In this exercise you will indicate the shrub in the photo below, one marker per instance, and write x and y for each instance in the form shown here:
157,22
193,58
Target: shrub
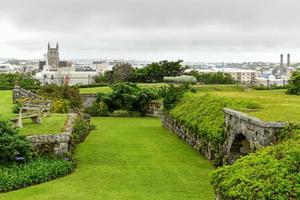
81,129
63,92
128,96
93,85
16,176
271,87
17,107
61,106
171,94
13,145
270,173
181,79
294,83
120,113
98,109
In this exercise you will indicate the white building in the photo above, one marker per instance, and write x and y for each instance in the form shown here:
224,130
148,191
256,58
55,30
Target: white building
240,75
66,75
60,72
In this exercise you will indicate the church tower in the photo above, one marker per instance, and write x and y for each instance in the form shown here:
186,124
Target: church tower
53,56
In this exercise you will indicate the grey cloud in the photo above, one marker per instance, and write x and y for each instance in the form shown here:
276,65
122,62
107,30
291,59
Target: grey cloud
156,26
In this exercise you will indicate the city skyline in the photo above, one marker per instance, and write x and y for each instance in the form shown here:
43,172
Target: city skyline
199,31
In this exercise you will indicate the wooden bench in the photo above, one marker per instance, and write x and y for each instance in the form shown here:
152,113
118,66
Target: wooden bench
34,113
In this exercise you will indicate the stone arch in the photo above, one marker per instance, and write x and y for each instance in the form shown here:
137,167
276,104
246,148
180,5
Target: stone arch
240,146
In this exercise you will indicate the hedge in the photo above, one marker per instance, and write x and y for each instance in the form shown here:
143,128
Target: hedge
270,173
16,176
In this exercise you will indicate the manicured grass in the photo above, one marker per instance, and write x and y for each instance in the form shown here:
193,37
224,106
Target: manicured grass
95,90
6,104
276,105
51,124
107,89
129,158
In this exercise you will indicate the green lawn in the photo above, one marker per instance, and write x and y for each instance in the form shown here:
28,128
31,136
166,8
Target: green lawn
276,105
6,104
107,89
95,90
129,158
51,124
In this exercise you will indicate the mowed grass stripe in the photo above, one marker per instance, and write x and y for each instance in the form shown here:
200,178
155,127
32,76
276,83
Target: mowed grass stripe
129,158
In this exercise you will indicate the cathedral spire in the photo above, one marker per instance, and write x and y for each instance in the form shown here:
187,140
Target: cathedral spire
57,45
48,45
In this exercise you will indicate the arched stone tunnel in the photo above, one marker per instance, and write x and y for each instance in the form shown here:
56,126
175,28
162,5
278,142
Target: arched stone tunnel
245,134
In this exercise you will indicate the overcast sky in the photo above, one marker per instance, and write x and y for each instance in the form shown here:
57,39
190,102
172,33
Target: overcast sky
192,30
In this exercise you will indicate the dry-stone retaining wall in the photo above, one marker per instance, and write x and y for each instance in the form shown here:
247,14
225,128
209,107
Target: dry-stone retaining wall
243,134
88,99
204,147
154,109
19,92
55,143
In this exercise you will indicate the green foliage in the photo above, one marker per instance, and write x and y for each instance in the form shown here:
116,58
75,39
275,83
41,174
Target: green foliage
155,72
25,80
119,73
180,79
120,113
271,87
60,106
204,114
16,176
128,96
98,109
97,84
63,92
81,129
12,144
171,94
270,173
294,83
212,78
17,107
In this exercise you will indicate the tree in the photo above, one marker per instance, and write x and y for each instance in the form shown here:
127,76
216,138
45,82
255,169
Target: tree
156,71
121,72
294,83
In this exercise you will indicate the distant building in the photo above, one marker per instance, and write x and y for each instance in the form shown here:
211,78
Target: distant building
240,75
52,70
51,59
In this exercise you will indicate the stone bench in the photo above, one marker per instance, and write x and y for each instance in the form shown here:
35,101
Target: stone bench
34,113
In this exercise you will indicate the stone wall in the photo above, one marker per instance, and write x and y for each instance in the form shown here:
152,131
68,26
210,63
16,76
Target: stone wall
55,143
88,99
245,134
154,109
19,92
206,148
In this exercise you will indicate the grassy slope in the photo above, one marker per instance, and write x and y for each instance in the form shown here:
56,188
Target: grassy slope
277,106
129,159
52,124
